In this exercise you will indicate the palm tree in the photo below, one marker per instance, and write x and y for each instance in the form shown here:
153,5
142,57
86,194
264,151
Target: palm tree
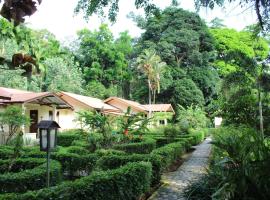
150,64
158,69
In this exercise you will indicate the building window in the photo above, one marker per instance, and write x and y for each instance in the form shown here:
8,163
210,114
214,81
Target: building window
162,122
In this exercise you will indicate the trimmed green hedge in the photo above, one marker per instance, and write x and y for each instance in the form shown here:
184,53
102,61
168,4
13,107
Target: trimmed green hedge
30,179
72,163
126,183
144,147
65,139
170,152
77,149
20,164
115,161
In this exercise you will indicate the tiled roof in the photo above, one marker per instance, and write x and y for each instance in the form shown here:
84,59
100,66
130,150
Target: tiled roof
90,101
21,96
159,108
130,103
4,94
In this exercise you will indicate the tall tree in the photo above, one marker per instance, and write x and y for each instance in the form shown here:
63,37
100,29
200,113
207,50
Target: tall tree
240,57
151,65
102,58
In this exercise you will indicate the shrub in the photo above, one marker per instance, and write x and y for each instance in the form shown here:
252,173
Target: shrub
65,139
73,163
145,146
20,164
30,179
106,152
127,182
80,143
170,152
115,161
77,149
192,117
171,132
6,152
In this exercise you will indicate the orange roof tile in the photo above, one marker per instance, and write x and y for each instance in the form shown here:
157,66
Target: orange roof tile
130,103
21,96
91,102
159,108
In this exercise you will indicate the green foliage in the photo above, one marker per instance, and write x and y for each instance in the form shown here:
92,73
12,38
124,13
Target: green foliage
97,122
74,163
239,162
185,92
171,132
237,49
101,58
240,107
111,185
65,139
170,153
63,74
20,164
131,123
115,161
207,80
181,37
191,117
144,146
184,42
97,7
150,64
14,119
30,179
98,90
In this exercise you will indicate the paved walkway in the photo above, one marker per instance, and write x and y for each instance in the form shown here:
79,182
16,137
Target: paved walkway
190,170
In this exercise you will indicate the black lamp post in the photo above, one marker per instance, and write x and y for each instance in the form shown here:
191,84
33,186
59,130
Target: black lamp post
47,135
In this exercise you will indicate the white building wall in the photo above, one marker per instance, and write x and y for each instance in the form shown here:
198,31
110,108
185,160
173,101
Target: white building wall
67,117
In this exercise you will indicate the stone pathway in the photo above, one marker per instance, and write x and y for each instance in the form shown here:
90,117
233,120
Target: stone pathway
175,182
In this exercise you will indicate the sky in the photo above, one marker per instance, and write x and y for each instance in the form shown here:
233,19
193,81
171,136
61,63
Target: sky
58,17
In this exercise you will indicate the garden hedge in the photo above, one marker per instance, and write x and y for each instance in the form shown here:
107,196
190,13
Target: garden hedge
170,152
6,152
30,179
19,164
144,147
65,139
73,163
115,161
126,183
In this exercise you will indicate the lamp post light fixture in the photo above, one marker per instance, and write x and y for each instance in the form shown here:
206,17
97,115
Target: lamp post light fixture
47,135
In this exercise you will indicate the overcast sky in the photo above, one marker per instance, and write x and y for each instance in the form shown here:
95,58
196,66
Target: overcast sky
58,17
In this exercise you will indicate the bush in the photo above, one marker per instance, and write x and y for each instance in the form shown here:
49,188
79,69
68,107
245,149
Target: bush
192,117
145,146
170,152
73,163
20,164
106,152
6,152
127,182
77,149
171,132
115,161
80,143
30,179
65,139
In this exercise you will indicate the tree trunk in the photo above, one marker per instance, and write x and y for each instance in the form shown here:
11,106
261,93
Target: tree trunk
260,112
154,96
149,98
